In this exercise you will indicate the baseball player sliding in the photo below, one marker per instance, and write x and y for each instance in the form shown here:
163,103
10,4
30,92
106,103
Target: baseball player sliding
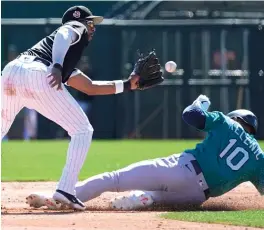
36,78
229,156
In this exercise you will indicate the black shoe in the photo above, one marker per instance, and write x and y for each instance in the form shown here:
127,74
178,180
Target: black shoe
66,198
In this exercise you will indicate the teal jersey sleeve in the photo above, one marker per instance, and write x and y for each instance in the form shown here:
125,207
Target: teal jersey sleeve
259,184
213,119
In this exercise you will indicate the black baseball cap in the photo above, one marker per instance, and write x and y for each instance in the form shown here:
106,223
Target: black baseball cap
79,13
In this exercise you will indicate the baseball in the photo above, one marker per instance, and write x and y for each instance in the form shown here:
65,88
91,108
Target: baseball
170,66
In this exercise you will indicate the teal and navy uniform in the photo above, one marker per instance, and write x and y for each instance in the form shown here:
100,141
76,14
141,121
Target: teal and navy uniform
229,155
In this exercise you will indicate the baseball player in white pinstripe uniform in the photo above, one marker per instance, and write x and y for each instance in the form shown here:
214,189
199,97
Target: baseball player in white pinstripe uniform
34,80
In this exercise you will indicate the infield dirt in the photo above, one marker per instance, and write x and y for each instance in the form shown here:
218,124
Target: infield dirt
16,215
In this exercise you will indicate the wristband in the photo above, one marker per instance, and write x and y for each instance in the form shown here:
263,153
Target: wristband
119,85
204,105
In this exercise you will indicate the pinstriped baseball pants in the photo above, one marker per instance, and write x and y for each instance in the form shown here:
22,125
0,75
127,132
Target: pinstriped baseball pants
25,84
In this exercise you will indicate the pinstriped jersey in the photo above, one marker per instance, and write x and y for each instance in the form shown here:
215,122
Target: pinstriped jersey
229,155
43,49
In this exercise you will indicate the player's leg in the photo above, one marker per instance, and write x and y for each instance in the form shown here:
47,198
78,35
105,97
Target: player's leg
150,175
162,177
10,98
143,199
143,175
60,107
194,196
186,188
168,175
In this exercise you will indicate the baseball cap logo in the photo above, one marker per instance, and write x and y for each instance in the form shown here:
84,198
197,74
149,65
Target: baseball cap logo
76,14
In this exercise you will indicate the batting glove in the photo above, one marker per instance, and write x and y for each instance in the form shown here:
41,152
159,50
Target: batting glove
202,102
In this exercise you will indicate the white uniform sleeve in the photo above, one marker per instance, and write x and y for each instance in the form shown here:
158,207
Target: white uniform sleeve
62,42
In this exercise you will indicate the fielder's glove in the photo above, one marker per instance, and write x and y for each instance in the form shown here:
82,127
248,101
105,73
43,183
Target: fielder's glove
203,102
149,71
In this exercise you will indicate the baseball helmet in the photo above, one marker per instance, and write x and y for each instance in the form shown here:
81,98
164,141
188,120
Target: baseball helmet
80,13
247,116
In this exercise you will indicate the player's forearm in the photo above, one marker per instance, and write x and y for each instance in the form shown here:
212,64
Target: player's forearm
84,84
105,87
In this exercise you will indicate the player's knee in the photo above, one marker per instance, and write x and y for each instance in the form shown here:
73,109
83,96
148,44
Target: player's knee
89,128
83,128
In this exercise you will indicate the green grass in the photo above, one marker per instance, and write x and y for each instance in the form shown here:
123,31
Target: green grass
239,218
44,160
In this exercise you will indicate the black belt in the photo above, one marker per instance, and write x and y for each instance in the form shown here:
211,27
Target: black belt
198,170
38,59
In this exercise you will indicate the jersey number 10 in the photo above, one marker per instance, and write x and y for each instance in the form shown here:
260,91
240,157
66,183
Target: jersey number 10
233,154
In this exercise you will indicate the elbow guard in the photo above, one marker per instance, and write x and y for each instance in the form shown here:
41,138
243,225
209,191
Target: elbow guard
195,117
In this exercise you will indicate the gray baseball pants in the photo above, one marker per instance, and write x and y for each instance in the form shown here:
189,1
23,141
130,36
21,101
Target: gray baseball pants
170,180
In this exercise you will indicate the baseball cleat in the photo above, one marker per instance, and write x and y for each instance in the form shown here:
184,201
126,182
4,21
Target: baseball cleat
68,199
132,201
37,200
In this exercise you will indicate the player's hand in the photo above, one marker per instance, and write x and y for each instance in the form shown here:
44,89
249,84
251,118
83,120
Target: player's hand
56,77
133,81
204,102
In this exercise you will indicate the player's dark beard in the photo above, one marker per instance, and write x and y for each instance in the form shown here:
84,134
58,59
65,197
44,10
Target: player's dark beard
90,36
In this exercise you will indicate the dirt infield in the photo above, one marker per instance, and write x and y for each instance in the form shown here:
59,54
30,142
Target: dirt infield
17,216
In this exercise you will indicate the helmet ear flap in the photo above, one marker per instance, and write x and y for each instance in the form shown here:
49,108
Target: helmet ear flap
248,127
247,118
